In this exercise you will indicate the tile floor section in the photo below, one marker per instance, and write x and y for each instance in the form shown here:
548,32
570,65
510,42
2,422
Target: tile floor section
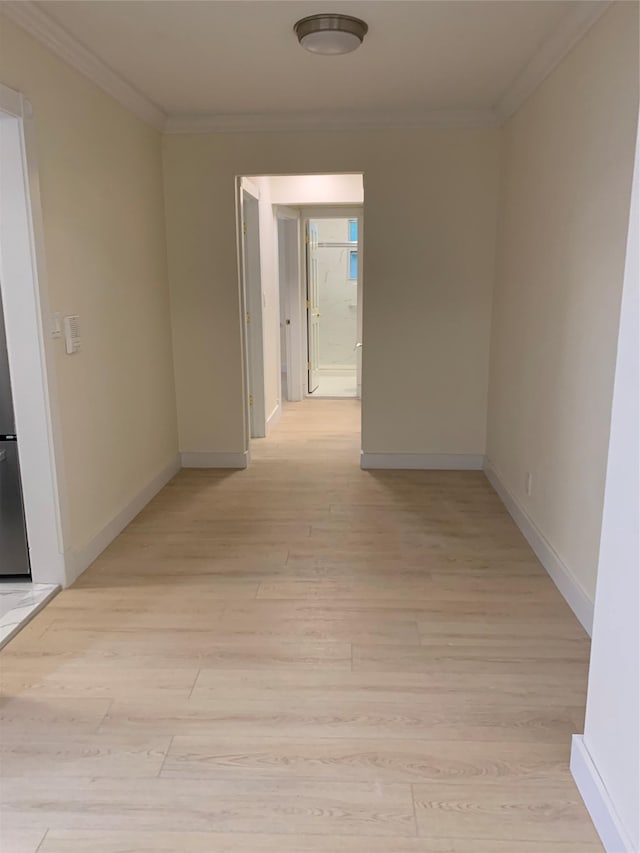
336,384
19,602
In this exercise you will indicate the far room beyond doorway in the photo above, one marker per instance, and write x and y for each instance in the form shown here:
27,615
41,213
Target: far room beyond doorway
301,283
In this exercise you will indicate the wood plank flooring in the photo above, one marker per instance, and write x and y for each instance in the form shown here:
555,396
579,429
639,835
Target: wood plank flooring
304,658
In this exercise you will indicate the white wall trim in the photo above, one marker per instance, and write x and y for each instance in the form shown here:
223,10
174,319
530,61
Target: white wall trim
204,459
560,573
422,461
551,52
251,187
242,325
81,558
11,102
597,800
320,210
274,417
24,292
296,121
37,23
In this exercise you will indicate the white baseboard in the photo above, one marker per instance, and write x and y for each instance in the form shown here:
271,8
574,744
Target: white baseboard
422,461
560,573
597,800
80,559
273,418
214,460
53,570
337,369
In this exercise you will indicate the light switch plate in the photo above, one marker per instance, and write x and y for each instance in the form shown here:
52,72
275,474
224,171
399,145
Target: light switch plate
56,326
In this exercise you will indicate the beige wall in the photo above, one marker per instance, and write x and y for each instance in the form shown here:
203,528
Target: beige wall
568,155
430,212
102,200
317,189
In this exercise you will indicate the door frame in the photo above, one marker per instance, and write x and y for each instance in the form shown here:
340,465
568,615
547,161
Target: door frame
312,303
251,315
29,342
332,211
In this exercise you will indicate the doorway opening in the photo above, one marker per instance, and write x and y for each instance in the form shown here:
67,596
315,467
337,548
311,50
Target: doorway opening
334,302
300,241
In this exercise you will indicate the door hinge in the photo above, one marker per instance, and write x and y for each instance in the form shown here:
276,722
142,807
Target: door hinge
248,318
244,227
306,238
251,399
308,305
308,365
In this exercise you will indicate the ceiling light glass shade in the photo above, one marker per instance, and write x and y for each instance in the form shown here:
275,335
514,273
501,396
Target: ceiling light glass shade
330,34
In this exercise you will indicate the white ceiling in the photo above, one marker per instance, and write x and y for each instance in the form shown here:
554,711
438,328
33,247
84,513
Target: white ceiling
241,57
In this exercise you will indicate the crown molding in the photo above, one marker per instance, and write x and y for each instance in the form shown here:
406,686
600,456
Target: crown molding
28,15
571,29
318,121
37,23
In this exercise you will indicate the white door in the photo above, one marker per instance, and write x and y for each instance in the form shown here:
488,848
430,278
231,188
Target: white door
313,308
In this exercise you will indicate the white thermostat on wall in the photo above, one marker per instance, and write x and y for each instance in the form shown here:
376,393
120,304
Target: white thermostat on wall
72,333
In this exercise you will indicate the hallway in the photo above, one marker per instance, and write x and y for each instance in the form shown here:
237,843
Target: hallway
301,657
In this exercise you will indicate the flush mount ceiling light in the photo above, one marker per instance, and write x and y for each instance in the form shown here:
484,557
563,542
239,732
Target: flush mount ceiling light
330,34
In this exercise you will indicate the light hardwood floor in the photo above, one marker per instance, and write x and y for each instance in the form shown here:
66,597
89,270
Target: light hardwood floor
301,657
